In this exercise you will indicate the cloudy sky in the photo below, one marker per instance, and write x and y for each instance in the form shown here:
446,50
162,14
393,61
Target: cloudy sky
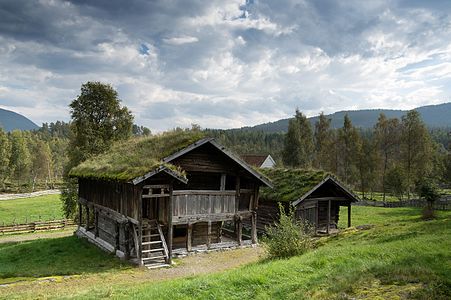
224,64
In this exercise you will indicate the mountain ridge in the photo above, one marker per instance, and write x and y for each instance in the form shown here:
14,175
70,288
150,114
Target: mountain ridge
10,120
438,115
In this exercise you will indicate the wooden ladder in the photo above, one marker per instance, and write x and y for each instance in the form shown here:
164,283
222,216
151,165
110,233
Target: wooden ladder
154,252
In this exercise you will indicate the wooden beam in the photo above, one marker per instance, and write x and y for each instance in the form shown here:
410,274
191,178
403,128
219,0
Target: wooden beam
349,215
317,217
208,234
189,237
155,196
239,231
328,215
254,227
209,217
170,225
203,192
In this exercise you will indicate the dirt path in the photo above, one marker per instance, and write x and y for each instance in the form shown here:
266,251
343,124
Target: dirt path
79,285
28,195
8,238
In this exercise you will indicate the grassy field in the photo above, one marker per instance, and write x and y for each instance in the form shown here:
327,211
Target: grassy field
31,209
400,257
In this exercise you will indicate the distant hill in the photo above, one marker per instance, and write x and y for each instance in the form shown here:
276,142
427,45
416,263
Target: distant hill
433,115
10,120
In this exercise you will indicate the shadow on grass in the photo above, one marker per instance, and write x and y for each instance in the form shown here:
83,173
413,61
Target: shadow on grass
52,257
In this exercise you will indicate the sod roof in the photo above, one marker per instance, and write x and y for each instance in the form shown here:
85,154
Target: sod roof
290,184
130,159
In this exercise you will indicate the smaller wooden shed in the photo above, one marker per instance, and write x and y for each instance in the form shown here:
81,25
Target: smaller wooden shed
315,195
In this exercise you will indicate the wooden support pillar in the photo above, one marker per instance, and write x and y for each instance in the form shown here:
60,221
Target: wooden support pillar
139,234
317,217
189,237
87,217
349,215
209,235
239,230
254,227
96,223
80,214
127,241
237,194
170,226
328,216
223,182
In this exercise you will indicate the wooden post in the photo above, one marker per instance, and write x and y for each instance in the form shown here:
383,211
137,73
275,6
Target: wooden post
87,217
237,195
170,226
239,229
328,216
349,215
96,222
254,227
80,214
223,182
317,217
140,229
189,237
127,240
209,235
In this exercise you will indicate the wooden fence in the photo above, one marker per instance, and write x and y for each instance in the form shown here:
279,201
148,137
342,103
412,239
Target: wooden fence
442,204
36,226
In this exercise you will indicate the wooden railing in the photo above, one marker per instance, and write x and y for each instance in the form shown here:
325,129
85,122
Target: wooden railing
36,226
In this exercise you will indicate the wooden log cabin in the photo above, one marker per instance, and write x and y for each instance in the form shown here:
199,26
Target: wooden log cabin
148,198
315,196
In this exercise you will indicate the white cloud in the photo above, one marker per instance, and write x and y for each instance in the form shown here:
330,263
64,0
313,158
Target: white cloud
181,40
224,63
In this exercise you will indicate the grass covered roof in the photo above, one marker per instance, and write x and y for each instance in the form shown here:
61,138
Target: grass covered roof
290,184
130,159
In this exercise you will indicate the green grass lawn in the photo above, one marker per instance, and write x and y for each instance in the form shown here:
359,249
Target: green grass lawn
401,257
49,257
31,209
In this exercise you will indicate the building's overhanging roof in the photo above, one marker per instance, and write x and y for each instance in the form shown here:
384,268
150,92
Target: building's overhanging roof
353,197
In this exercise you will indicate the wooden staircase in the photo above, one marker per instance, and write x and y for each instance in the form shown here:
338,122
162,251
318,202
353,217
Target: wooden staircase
154,252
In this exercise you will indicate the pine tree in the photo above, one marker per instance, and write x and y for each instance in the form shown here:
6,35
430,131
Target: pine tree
298,150
416,148
387,135
20,160
292,144
323,143
5,150
348,145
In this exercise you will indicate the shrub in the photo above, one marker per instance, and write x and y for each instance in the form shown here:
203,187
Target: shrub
287,238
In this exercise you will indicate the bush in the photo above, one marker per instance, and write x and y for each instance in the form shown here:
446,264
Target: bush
287,238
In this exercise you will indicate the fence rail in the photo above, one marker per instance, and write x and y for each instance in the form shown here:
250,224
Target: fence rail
36,226
441,204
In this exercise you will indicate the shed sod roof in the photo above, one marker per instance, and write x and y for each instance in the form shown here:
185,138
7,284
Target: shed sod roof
290,184
130,159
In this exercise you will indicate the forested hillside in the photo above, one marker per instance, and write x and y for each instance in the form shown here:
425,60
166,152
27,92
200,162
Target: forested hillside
432,115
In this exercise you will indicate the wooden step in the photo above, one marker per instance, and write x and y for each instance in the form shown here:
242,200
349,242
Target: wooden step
150,235
153,257
151,243
156,265
152,250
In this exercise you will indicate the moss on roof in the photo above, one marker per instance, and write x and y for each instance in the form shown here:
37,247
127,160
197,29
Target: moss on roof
130,159
290,184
